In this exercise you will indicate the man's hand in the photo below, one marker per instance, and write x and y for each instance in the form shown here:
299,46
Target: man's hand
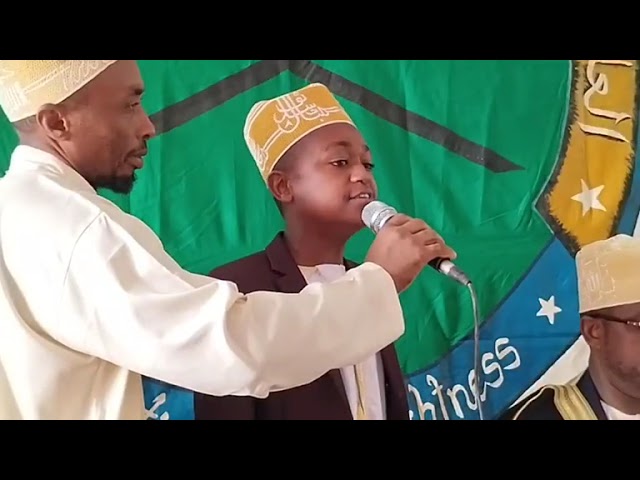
404,247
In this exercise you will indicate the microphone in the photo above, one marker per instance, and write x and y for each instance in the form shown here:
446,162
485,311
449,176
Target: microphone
376,214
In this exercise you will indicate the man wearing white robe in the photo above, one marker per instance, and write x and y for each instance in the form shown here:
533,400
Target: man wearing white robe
90,300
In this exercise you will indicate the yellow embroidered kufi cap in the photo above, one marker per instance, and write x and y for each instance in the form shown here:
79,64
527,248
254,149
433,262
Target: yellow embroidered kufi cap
274,126
609,273
26,85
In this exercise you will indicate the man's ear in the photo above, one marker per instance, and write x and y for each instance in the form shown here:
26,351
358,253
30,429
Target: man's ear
280,187
592,331
53,121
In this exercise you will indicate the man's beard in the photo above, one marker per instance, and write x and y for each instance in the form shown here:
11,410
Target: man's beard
122,185
629,376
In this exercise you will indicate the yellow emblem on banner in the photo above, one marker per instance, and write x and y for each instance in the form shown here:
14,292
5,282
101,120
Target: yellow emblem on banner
589,191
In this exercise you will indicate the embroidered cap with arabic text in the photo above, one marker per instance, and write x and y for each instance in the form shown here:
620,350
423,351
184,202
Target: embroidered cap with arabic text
273,126
27,85
608,273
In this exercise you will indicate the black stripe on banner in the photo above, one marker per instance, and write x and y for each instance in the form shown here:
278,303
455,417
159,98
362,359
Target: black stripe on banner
402,117
182,112
206,100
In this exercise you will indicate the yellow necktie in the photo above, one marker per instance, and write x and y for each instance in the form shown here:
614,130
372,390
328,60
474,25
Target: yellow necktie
360,412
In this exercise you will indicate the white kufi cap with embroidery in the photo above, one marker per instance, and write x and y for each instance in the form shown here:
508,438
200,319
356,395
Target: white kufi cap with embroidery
27,85
609,273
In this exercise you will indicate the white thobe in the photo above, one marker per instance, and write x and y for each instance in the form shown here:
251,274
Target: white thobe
371,368
90,301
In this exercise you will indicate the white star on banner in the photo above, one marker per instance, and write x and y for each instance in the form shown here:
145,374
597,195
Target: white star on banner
548,309
589,198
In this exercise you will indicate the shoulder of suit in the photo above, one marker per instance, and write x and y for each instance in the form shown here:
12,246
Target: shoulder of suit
255,262
539,405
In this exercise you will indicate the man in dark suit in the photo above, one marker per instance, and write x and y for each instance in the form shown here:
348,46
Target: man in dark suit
579,401
610,324
320,176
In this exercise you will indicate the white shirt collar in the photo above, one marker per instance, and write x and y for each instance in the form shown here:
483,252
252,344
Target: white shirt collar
615,414
324,272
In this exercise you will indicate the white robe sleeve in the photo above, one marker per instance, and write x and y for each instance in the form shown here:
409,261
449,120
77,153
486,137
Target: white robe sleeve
126,301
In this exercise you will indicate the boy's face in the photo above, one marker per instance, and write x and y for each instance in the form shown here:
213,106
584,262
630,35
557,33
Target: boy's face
327,177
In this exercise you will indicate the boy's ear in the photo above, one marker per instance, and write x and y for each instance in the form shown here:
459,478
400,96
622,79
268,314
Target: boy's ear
280,187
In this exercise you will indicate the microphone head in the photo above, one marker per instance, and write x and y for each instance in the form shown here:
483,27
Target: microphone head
375,214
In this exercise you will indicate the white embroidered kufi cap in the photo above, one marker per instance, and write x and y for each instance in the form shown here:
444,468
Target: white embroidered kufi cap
26,85
609,273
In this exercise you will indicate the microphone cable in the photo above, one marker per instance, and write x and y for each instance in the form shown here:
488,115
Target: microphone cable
375,215
476,347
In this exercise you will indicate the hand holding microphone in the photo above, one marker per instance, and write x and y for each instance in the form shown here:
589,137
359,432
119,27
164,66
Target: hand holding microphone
403,247
406,245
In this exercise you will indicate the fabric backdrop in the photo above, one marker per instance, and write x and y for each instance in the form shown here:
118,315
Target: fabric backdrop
516,163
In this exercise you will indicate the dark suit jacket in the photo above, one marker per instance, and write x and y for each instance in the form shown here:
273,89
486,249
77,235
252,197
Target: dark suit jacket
543,407
274,269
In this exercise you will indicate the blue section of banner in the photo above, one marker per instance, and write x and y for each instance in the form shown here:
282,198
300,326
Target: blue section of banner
167,402
517,344
631,208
